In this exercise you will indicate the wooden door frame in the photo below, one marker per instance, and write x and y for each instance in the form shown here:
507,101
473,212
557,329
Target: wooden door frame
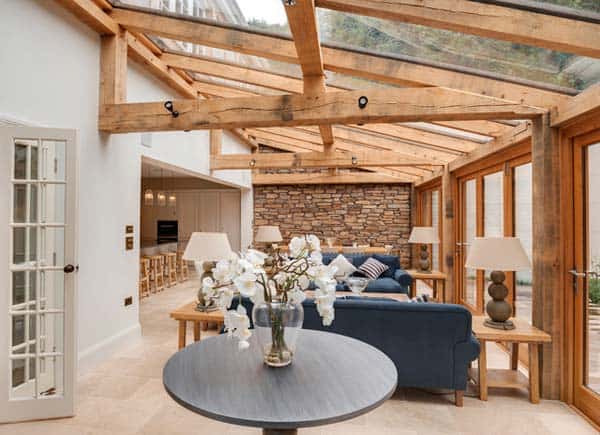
504,162
581,397
420,219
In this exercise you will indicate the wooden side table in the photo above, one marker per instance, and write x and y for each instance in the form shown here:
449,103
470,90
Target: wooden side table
438,278
188,313
509,378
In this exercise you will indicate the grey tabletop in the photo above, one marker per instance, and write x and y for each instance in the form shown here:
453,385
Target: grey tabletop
332,378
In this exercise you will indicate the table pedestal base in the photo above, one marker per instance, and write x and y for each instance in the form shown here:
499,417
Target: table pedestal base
280,432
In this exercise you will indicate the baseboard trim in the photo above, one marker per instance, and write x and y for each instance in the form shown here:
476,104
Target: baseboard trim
104,350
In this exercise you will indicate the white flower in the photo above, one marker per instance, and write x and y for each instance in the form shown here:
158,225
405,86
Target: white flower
246,284
324,301
297,246
225,298
296,296
303,282
256,258
314,244
237,324
316,257
222,271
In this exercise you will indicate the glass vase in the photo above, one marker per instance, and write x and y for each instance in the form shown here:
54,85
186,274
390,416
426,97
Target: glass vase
277,325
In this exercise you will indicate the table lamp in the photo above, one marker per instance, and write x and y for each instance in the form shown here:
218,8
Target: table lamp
425,236
268,234
207,248
498,254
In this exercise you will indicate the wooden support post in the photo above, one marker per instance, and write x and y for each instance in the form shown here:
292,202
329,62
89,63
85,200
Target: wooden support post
449,231
547,251
113,68
216,140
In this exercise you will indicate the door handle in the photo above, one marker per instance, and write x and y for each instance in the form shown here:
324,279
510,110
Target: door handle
69,268
576,275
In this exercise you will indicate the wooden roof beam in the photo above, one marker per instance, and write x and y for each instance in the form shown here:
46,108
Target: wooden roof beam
340,178
383,68
313,160
384,106
486,20
302,19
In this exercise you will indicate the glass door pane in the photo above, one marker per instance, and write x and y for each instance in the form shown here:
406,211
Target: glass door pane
592,314
493,214
469,228
523,230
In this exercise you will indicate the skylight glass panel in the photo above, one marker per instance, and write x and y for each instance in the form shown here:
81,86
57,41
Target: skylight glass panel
501,59
255,62
235,85
266,15
583,5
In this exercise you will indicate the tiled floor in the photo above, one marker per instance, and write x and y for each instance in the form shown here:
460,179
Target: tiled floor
125,396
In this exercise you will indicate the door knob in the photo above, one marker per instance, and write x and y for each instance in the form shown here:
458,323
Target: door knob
69,268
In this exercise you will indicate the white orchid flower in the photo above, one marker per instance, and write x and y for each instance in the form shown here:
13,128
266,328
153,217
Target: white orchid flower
314,244
237,324
316,257
225,298
256,258
296,297
222,271
303,282
297,246
246,284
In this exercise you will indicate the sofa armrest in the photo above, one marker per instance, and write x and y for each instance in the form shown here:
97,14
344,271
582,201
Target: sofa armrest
403,277
464,353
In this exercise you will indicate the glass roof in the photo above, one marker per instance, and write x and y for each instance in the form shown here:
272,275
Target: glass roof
513,61
259,15
232,57
234,84
585,5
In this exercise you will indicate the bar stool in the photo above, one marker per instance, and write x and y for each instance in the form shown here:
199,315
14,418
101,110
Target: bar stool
157,272
182,267
144,281
171,268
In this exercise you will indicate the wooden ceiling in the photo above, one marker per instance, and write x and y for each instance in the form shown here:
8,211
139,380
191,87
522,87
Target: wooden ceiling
320,126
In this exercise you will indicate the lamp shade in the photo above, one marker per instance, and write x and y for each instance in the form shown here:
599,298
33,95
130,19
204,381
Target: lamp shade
207,247
425,235
497,253
268,234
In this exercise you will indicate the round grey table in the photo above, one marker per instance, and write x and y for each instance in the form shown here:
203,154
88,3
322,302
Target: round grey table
332,378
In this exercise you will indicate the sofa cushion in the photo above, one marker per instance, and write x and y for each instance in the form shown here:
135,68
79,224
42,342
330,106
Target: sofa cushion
385,285
373,268
344,267
391,261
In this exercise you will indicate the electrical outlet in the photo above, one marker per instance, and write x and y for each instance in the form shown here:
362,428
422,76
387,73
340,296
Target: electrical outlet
128,300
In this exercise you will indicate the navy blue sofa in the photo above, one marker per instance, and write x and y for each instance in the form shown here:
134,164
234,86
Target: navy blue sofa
393,280
431,344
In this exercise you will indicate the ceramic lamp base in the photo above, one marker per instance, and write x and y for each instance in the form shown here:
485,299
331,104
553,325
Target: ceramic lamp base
507,326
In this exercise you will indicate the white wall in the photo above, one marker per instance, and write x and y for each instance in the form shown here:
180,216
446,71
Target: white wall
49,76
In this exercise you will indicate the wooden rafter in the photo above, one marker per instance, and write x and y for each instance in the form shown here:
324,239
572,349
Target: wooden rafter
486,20
302,19
382,68
113,68
398,105
312,160
585,104
485,128
312,178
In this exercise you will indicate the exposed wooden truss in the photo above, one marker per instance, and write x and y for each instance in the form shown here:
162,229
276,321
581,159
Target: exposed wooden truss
302,19
398,105
313,160
382,68
487,20
319,178
476,113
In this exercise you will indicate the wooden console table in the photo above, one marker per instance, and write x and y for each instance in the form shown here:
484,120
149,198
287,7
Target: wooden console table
509,378
438,278
188,313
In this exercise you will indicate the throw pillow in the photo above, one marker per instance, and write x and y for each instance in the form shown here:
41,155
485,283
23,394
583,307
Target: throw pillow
373,268
419,299
344,267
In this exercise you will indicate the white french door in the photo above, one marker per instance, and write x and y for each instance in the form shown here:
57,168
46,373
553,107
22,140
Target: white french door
38,186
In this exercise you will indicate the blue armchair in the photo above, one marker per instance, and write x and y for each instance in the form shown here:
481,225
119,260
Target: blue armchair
393,280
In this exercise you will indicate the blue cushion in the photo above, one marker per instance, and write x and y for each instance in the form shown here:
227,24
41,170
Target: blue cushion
391,261
385,285
403,277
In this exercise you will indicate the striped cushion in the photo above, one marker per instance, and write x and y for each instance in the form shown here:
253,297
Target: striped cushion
373,268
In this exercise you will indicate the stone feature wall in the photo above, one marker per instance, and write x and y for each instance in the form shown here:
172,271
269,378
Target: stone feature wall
374,214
